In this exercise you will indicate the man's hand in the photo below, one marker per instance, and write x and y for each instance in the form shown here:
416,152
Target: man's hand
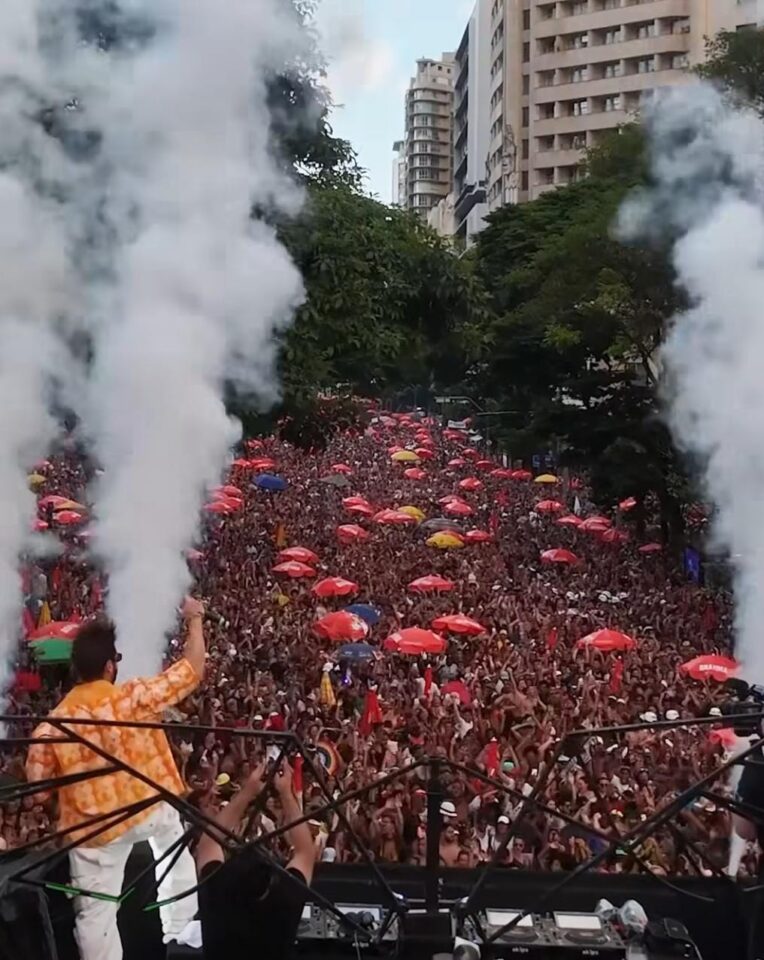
191,609
254,783
283,781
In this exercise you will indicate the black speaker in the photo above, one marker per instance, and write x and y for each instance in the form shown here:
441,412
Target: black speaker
26,931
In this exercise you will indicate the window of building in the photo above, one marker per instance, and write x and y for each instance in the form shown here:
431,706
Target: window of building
680,61
542,144
646,65
524,153
645,30
546,111
579,108
526,116
526,19
545,78
579,75
611,70
524,181
527,51
545,176
611,103
576,41
545,45
526,83
612,36
578,7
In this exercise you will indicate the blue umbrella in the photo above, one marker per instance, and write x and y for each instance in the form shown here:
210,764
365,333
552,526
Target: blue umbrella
366,612
267,481
355,651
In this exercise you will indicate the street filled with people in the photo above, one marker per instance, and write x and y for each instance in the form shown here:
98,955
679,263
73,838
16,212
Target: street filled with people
403,594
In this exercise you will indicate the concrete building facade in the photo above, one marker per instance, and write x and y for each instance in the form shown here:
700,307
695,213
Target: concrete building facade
429,124
399,174
472,123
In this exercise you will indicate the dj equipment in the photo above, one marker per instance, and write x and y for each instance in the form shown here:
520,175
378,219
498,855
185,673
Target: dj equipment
317,925
565,935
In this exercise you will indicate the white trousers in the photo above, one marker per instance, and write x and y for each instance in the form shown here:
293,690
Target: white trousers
102,870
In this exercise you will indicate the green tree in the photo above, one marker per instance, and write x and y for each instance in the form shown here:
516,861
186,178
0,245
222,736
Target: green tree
735,61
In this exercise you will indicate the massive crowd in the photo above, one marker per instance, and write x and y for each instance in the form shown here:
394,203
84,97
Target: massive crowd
521,684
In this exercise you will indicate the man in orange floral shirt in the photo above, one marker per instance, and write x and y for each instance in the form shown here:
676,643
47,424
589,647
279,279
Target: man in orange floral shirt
98,864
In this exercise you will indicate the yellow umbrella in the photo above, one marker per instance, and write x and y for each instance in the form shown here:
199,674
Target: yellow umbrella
405,456
445,541
414,512
547,478
35,480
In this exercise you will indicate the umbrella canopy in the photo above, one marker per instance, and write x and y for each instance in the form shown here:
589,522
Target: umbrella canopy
414,641
470,453
394,517
64,503
300,554
711,667
68,518
571,520
414,473
424,454
445,540
559,556
354,500
478,536
594,525
485,464
450,498
651,548
35,480
457,462
351,533
52,651
405,456
364,509
549,506
459,508
501,473
366,612
458,623
431,584
342,468
521,475
55,630
223,507
611,535
294,569
40,526
268,481
628,504
355,651
413,512
241,464
471,484
341,626
458,689
607,641
338,480
439,523
229,490
335,587
547,478
262,463
52,500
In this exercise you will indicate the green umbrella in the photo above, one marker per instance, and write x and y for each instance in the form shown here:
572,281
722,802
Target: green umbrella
53,650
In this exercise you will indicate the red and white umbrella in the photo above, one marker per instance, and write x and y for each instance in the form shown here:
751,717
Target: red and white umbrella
55,630
341,626
595,525
342,468
457,688
458,508
607,641
501,473
262,463
294,569
628,504
571,520
351,533
222,507
522,475
431,584
457,462
300,554
415,473
458,623
471,484
559,556
414,641
611,535
651,548
335,587
69,518
711,666
424,454
229,490
470,453
549,506
478,536
393,517
485,464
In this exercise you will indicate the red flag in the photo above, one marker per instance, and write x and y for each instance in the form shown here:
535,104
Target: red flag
428,681
28,681
297,778
372,715
28,621
492,758
56,579
551,639
616,677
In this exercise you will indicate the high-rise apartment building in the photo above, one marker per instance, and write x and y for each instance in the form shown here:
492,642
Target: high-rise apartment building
429,122
472,124
399,174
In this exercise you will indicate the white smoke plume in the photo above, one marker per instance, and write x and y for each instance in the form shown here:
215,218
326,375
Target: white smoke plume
707,163
34,291
194,289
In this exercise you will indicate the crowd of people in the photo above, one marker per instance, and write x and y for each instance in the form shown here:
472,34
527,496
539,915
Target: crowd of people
520,685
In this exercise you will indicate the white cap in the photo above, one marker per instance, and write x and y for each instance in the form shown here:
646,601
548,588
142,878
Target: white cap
714,712
672,714
447,809
503,819
650,716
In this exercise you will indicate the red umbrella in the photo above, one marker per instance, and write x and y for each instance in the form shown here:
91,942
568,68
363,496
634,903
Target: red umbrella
450,498
413,641
484,464
341,626
457,688
68,518
300,554
255,444
594,525
597,518
431,584
458,623
628,504
294,569
478,536
240,462
394,449
457,462
651,548
52,501
726,737
611,535
711,667
341,468
362,508
55,630
414,473
607,641
351,533
231,491
262,463
571,520
470,453
424,454
549,506
502,473
559,556
223,507
394,517
39,526
335,587
458,508
471,484
522,475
